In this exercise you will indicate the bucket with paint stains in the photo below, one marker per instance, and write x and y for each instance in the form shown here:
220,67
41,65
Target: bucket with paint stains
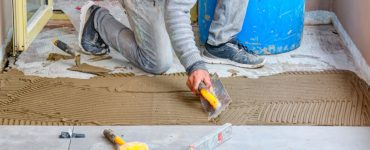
270,26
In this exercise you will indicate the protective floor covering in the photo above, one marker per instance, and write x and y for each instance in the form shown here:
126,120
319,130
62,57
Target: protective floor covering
333,98
321,49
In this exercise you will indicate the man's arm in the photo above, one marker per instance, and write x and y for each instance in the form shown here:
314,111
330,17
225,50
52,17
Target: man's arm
178,23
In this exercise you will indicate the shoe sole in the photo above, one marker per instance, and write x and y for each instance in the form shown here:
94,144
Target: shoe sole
216,60
83,18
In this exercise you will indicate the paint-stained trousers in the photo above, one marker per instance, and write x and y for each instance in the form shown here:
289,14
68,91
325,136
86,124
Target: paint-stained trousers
149,46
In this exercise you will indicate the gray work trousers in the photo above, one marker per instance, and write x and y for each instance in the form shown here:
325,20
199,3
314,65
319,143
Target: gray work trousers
148,45
228,21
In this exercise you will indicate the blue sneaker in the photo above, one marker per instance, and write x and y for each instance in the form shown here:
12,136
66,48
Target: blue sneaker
232,53
89,39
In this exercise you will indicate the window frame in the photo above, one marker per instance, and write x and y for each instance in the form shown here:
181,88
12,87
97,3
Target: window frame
25,31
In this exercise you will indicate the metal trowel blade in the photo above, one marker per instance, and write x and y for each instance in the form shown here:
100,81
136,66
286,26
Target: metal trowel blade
220,92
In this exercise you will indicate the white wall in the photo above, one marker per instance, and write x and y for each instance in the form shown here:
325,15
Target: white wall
355,17
319,5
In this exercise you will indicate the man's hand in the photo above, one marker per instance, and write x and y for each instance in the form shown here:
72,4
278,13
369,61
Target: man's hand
196,77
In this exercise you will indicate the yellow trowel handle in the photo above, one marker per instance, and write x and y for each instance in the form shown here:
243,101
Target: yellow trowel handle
109,134
209,96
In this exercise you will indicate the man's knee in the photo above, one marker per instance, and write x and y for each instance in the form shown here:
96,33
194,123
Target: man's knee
159,66
155,61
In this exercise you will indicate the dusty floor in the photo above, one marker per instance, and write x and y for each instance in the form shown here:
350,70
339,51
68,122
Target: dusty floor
297,98
321,49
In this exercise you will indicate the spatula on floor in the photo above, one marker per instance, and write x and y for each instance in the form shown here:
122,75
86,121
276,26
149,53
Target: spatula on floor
215,100
121,144
64,47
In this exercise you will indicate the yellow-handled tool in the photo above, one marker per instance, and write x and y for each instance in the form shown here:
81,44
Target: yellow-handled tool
208,95
121,144
214,100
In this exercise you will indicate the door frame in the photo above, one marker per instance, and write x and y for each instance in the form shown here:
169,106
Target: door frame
25,30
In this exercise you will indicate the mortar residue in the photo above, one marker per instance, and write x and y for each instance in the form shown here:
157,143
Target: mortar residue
334,98
86,68
100,58
56,57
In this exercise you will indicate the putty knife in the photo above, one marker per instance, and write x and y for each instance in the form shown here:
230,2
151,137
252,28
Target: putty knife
65,48
121,144
216,100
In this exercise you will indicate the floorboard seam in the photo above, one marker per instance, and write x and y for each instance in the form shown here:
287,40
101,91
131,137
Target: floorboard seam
70,140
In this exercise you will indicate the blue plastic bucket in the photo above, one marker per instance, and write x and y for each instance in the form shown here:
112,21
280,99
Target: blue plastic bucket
270,26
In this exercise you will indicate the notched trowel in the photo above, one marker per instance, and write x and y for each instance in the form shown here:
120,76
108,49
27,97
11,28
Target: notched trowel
215,100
